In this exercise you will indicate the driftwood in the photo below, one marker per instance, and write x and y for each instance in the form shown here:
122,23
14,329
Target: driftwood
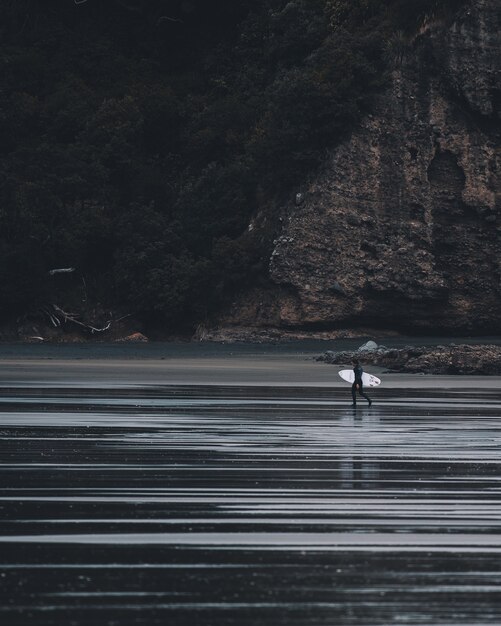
166,18
62,270
54,320
72,317
59,316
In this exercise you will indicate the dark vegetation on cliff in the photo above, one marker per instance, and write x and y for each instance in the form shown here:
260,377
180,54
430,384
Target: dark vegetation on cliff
138,138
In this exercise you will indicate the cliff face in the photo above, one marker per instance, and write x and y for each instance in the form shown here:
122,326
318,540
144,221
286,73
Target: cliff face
402,228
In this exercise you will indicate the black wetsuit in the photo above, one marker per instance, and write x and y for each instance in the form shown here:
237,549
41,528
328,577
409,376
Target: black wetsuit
358,384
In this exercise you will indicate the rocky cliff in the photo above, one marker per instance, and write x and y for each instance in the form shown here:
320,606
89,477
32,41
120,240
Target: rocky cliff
401,228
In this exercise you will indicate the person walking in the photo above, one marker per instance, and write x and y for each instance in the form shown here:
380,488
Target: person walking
358,385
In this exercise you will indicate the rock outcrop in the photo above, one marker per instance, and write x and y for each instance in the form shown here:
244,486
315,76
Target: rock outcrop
402,227
136,337
453,359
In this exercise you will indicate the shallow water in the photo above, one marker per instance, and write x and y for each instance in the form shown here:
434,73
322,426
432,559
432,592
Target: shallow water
249,505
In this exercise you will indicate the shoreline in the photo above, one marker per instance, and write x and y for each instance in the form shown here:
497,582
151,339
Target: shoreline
167,364
267,371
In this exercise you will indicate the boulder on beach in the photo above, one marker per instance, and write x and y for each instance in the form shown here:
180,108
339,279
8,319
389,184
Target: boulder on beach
135,338
369,346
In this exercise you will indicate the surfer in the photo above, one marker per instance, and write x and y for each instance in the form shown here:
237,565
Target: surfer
358,384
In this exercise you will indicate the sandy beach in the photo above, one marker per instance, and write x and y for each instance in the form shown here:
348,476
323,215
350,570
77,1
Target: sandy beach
235,369
288,363
236,485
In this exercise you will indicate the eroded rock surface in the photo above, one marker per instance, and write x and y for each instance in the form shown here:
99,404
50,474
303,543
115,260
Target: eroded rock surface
452,359
402,227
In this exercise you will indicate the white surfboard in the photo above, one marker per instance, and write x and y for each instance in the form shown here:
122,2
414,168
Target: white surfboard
368,380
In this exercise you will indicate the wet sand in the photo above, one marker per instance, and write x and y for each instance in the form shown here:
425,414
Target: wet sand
243,489
238,370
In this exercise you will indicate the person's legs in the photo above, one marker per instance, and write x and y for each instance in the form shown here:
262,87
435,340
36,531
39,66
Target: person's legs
354,394
361,392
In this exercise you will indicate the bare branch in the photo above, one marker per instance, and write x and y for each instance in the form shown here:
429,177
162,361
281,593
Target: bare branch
123,317
62,270
165,18
54,320
58,316
71,317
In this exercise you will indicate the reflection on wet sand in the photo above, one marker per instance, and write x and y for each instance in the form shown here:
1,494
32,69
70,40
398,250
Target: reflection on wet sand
361,472
249,505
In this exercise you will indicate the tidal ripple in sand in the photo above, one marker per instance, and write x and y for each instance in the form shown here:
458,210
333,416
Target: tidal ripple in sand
249,506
